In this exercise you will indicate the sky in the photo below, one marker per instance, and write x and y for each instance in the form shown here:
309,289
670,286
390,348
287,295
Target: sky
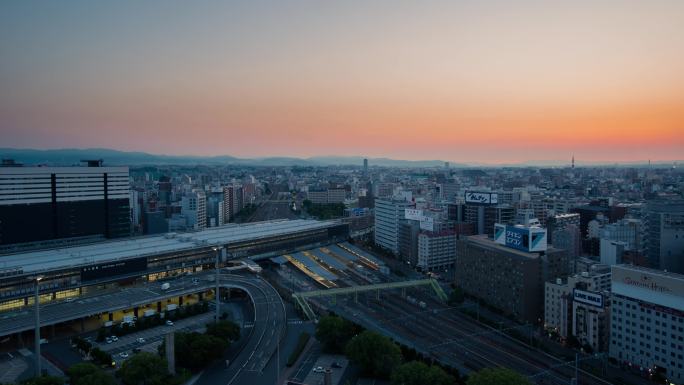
463,81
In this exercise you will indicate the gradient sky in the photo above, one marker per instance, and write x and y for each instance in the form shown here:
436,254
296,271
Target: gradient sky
465,81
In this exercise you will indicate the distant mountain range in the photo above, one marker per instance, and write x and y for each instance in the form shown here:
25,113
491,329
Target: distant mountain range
67,157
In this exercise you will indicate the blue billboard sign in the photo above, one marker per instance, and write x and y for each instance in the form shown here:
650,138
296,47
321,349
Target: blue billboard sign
517,238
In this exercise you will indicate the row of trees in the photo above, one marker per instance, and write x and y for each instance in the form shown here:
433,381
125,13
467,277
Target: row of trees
380,357
324,211
194,351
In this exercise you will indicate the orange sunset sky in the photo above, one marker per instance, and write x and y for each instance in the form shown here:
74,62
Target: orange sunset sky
462,81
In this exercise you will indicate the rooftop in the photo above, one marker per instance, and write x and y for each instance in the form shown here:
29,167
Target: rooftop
114,250
483,240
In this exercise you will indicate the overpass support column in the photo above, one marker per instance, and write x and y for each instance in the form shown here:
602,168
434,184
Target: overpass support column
180,300
159,307
135,311
403,292
110,317
170,352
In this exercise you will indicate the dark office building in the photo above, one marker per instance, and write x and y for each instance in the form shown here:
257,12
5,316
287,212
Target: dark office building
44,203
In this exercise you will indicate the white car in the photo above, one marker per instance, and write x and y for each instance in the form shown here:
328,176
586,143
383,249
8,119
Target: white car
115,338
169,323
108,340
123,355
318,369
141,340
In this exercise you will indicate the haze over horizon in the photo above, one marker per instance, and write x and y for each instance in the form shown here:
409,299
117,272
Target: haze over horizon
485,82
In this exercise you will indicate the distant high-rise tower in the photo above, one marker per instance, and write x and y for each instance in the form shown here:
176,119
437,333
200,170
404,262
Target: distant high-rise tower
573,161
365,165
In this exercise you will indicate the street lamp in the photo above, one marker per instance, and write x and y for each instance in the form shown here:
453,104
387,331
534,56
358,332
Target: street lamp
217,250
37,280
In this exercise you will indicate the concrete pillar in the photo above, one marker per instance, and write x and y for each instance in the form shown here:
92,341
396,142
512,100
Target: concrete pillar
110,317
180,301
170,352
159,307
135,311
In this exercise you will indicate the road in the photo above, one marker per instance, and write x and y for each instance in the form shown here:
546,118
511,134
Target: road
269,328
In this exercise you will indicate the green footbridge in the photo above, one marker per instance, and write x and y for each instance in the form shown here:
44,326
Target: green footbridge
301,297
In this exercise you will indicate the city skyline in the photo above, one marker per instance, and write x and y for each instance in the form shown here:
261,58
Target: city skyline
490,82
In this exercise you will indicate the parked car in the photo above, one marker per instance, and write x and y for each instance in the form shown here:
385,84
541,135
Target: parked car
318,369
108,340
141,340
115,338
169,322
123,355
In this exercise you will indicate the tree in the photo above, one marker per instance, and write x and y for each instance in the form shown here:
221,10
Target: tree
375,354
226,330
96,378
334,333
144,369
44,380
418,373
497,376
456,297
194,351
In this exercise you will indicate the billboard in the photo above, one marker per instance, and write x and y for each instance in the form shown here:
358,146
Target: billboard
517,238
588,297
481,197
113,269
413,214
427,223
660,288
529,239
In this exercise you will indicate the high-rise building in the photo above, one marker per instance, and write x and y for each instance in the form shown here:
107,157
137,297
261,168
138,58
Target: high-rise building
507,278
194,209
44,203
560,306
664,232
365,166
647,322
388,213
436,250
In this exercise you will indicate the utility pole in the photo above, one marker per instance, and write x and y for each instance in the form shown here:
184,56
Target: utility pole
217,250
576,368
37,329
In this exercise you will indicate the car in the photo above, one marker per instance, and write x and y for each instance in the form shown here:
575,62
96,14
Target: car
108,340
335,365
136,350
141,340
195,281
318,369
70,299
115,338
169,323
123,355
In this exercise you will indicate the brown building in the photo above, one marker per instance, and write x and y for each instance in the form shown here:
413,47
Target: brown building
505,278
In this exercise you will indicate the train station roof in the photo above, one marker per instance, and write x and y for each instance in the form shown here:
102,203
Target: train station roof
128,248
